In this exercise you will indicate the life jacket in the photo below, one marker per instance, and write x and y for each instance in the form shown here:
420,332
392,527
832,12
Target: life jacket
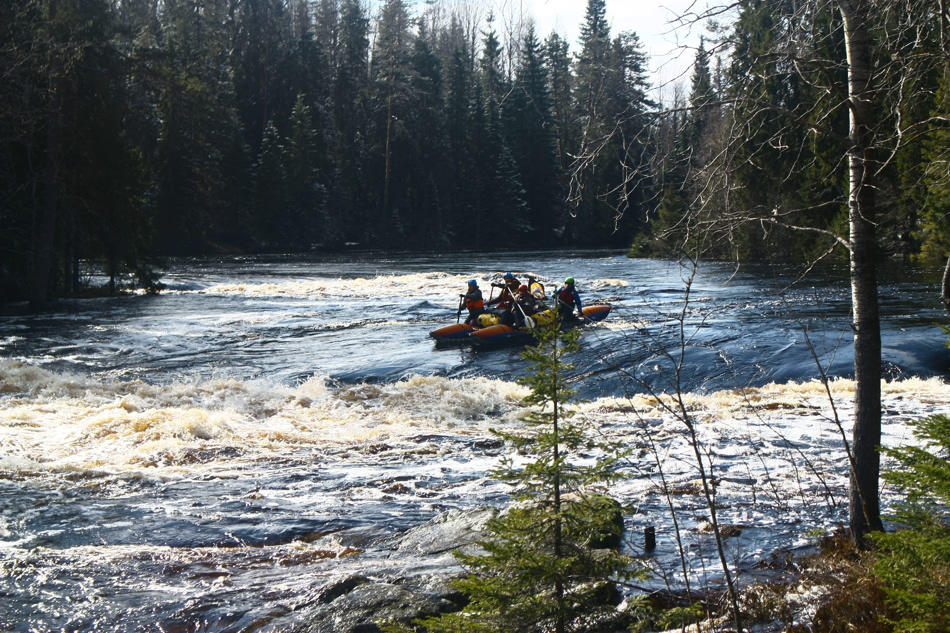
528,304
505,299
474,304
566,296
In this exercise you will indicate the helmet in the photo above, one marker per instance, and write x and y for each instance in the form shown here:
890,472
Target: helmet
508,276
522,288
569,280
472,282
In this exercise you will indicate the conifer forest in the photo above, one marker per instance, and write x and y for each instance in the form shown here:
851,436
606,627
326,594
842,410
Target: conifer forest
132,130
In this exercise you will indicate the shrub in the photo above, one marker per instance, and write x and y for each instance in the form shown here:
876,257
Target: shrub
914,561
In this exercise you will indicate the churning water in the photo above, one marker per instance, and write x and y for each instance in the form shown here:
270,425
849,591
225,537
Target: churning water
208,458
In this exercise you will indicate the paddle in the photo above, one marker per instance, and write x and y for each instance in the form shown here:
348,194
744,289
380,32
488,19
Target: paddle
528,321
458,315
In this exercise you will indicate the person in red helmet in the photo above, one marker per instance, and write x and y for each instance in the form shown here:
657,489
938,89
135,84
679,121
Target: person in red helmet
526,305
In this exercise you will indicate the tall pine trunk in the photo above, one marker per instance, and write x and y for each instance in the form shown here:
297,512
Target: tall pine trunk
863,507
389,133
44,243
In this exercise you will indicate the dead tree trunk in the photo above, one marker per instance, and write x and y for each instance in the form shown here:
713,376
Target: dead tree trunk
945,287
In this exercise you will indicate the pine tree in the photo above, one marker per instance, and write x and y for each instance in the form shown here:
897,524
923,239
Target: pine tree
426,172
350,115
610,99
540,570
461,186
263,28
391,73
494,87
781,168
502,196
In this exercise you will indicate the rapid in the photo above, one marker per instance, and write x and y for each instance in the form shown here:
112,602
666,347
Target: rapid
211,457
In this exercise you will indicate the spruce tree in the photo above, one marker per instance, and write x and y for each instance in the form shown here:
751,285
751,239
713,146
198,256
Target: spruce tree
915,561
557,62
502,195
530,129
349,96
700,94
540,570
303,218
459,160
270,189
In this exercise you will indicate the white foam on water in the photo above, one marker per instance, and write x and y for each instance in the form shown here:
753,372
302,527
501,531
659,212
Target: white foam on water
435,285
53,422
599,284
64,422
776,453
422,285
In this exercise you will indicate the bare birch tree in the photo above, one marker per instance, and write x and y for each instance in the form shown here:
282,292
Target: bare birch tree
821,87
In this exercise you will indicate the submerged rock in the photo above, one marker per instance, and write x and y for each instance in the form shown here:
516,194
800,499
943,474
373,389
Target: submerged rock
362,609
447,532
420,587
416,580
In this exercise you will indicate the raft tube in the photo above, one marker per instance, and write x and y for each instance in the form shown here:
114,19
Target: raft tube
504,334
501,334
454,332
596,314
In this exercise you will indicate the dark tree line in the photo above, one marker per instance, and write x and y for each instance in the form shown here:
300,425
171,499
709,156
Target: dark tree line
133,129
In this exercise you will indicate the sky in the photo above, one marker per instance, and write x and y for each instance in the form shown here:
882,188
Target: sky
670,46
650,19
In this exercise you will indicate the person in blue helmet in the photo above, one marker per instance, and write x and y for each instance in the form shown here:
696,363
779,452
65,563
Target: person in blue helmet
473,301
509,289
568,299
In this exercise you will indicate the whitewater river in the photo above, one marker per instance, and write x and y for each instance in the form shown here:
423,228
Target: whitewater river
211,457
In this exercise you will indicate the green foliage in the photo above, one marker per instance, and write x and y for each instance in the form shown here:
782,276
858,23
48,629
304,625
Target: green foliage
539,570
651,619
609,104
914,563
933,231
